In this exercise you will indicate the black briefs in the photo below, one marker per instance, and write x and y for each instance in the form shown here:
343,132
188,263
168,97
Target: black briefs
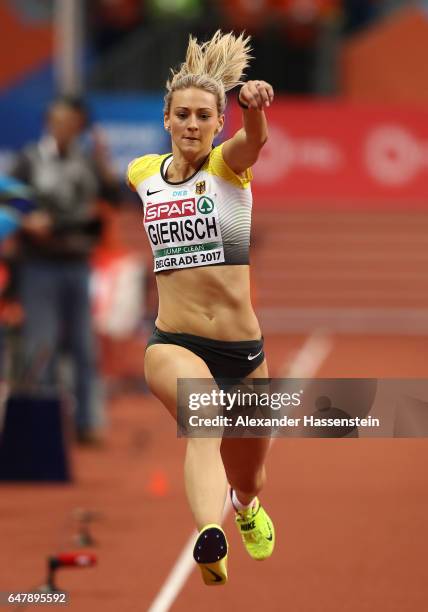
234,360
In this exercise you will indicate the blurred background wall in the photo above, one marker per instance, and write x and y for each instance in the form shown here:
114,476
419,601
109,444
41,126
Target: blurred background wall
339,264
341,190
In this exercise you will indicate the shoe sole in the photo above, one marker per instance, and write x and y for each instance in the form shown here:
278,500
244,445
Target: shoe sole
210,553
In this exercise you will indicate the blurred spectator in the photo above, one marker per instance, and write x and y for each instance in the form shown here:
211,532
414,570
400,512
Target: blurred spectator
112,20
286,38
174,9
303,22
10,311
56,243
359,13
15,203
249,15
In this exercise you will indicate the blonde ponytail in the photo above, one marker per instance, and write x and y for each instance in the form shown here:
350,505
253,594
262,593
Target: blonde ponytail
215,66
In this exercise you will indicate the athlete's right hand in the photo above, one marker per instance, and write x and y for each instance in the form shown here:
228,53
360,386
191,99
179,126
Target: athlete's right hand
256,94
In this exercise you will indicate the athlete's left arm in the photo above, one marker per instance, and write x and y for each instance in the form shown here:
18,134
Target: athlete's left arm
242,150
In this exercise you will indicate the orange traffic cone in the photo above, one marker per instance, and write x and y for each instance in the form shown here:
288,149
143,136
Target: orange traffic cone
158,485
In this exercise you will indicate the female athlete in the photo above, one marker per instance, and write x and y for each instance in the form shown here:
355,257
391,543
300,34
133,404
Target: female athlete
197,214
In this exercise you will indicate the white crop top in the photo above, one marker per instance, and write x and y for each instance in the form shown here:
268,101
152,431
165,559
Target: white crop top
203,221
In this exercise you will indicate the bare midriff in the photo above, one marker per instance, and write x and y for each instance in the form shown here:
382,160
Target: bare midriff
213,302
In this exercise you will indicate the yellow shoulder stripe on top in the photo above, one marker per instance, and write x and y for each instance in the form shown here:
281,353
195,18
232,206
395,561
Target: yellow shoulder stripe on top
218,167
143,168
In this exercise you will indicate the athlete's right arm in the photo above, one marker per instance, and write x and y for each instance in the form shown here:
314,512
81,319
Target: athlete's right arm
242,150
141,169
132,174
128,177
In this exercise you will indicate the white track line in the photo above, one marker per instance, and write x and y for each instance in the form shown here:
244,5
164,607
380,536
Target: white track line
305,365
310,357
182,569
176,579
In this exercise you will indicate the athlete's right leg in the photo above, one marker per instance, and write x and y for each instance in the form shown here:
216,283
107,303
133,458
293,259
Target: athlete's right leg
205,478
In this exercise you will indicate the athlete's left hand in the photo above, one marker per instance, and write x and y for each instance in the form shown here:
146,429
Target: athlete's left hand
256,94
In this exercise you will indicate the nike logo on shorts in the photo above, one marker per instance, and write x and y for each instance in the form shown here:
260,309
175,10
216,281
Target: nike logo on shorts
251,357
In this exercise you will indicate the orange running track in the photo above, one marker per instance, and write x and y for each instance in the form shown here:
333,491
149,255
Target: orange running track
351,515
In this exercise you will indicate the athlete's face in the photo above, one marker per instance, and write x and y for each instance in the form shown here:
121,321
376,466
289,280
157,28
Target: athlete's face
193,121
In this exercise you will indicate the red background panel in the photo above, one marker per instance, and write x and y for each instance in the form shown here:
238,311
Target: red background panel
341,155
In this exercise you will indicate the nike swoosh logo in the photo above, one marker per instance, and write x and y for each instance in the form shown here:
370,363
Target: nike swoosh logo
217,578
270,534
251,357
149,193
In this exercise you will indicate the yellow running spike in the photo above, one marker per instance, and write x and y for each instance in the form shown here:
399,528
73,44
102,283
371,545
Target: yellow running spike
210,553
